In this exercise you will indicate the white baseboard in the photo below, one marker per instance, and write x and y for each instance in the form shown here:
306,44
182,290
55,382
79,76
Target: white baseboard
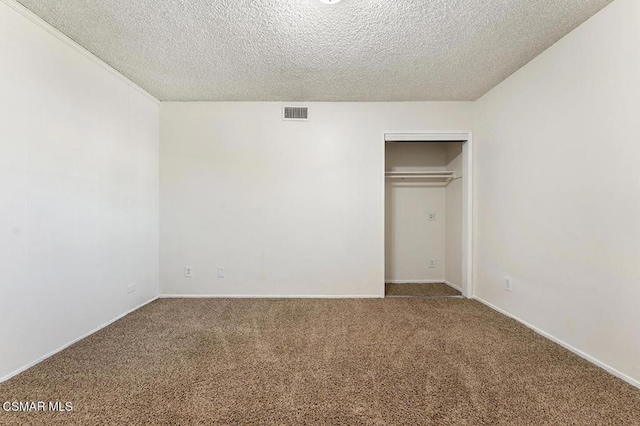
66,345
452,285
440,281
270,296
565,345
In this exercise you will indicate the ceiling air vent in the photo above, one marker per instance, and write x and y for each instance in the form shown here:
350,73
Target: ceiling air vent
295,113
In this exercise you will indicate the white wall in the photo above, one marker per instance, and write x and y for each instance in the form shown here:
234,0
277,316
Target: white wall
411,239
78,193
288,208
454,216
558,190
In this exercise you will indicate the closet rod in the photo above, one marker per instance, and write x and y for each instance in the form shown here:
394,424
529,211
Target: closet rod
421,172
422,175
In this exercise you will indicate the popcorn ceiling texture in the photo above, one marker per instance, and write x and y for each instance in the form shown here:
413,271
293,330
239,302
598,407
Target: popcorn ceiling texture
304,50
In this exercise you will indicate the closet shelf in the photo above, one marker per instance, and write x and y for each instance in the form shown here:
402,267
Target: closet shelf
435,176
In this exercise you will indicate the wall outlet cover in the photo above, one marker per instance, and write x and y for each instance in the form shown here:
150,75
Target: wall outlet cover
508,284
188,271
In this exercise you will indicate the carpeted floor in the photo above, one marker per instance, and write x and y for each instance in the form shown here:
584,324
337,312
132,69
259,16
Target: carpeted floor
378,361
430,290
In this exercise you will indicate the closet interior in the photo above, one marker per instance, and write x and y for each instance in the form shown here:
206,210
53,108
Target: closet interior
423,219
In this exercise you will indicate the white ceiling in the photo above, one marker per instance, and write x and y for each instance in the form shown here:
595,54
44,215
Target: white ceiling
304,50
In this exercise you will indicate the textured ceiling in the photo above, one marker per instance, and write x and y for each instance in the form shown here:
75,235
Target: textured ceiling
304,50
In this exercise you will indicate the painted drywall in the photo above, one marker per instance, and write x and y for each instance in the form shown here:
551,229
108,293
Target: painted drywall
287,208
454,216
78,193
411,239
558,190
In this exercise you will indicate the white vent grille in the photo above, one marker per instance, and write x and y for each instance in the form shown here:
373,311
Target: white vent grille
295,113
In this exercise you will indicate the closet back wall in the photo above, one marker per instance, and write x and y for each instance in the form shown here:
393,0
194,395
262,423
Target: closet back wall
411,239
287,208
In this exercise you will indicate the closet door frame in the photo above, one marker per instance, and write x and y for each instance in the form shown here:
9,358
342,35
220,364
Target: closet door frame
467,190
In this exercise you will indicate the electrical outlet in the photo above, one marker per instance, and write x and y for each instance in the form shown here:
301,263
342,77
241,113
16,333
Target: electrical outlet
508,284
433,217
131,288
188,271
432,263
220,272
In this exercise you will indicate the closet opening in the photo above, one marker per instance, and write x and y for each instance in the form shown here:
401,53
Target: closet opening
427,215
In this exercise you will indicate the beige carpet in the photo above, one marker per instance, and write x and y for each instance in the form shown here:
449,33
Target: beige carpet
381,361
436,289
